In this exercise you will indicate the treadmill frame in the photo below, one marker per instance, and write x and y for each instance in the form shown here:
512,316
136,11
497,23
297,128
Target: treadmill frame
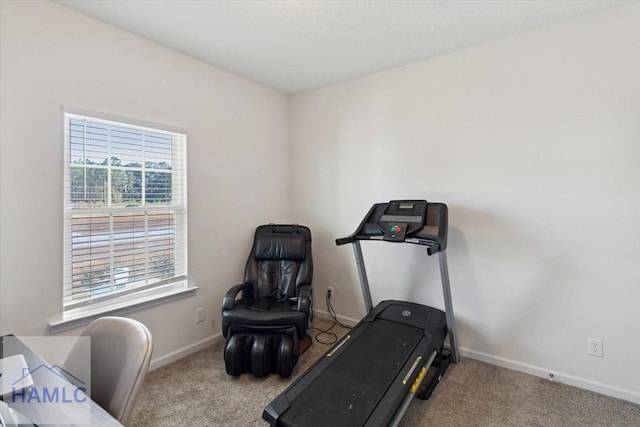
433,244
446,291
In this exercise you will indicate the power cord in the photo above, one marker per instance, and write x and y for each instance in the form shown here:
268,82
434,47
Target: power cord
332,313
333,338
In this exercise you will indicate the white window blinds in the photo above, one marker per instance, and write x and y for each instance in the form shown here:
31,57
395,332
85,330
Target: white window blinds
125,209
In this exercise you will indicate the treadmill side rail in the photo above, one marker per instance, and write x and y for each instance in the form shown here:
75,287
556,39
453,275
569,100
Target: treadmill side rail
273,410
407,400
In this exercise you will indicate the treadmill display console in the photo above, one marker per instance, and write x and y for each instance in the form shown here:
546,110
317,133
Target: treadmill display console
401,218
409,221
395,232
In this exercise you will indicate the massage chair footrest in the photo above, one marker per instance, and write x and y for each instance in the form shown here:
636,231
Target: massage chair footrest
261,353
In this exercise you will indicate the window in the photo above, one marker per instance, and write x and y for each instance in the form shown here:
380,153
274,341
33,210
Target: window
125,209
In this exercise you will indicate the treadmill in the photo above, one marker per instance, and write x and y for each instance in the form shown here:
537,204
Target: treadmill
371,375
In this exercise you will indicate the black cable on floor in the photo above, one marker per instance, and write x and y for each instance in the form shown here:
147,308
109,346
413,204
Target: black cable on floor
333,337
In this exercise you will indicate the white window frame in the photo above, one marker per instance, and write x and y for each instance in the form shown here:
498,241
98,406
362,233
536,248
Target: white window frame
122,293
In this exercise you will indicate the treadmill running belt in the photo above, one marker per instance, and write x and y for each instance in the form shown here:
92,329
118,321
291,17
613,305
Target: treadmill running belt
351,387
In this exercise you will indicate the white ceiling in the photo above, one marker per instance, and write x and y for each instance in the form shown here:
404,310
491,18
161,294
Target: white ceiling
296,46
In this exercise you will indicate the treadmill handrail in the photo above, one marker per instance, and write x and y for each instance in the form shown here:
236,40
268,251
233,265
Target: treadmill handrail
434,245
354,235
344,240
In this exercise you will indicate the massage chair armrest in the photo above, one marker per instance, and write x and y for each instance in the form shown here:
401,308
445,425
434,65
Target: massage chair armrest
229,299
304,299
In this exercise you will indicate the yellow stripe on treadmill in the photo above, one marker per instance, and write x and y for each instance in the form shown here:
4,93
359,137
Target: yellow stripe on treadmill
418,380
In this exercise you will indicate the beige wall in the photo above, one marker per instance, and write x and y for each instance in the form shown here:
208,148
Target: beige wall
534,143
238,175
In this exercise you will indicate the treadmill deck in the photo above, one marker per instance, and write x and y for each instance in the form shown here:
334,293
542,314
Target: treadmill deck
366,373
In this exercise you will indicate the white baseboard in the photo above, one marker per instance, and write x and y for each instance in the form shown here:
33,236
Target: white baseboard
572,380
184,352
348,321
190,349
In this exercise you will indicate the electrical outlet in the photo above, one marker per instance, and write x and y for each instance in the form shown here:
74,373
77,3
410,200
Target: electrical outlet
331,292
199,314
594,347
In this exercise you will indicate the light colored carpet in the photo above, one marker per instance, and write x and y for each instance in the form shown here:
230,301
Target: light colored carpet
196,391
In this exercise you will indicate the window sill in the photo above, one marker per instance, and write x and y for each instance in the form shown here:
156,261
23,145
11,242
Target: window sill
78,317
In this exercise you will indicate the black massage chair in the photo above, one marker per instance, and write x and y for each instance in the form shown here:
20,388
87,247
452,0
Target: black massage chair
264,318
